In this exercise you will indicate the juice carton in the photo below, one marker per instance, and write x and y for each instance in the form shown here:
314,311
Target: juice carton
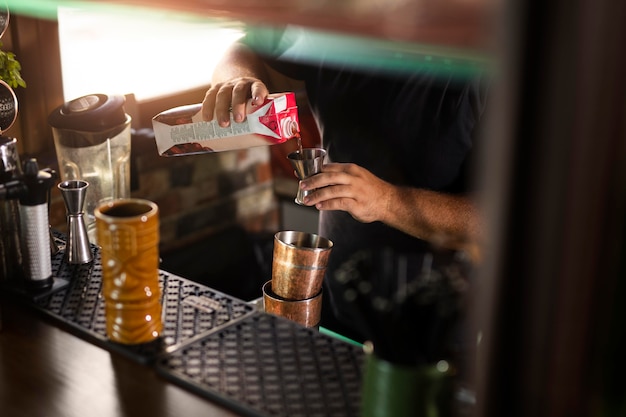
181,130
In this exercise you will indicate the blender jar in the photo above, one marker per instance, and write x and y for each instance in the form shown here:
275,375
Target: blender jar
92,142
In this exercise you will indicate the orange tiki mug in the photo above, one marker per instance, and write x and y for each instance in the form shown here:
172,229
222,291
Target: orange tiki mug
128,233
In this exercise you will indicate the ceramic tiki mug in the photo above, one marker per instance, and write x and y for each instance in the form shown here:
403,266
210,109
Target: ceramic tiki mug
128,233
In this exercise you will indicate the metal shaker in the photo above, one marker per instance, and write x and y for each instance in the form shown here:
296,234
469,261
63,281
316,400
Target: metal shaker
10,251
10,171
31,189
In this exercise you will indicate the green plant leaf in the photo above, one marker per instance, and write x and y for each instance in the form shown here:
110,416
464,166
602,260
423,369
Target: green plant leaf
10,69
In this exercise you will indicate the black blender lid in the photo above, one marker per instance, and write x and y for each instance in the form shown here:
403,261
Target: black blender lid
90,113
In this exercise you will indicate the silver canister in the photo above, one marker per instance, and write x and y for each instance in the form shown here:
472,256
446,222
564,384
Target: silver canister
34,226
10,250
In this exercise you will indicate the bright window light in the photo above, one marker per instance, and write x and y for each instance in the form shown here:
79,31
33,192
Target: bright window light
146,54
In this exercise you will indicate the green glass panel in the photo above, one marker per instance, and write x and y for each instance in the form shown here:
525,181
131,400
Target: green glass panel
333,47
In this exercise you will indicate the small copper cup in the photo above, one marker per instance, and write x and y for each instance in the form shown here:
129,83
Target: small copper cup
307,312
299,264
128,234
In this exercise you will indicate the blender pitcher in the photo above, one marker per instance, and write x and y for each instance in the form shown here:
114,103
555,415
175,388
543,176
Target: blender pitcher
92,141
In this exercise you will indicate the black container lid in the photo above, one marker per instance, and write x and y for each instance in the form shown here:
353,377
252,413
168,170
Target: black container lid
90,113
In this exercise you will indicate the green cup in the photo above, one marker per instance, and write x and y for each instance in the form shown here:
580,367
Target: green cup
392,390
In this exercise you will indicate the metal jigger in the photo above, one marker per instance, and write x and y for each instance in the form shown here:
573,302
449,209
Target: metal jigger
306,163
77,249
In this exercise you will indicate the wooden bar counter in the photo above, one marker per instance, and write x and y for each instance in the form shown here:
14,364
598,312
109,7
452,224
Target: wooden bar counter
48,371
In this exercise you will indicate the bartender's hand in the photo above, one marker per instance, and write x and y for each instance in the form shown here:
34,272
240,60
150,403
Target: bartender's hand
351,188
445,220
232,95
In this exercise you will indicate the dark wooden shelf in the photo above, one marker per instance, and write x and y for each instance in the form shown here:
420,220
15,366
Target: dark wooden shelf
465,25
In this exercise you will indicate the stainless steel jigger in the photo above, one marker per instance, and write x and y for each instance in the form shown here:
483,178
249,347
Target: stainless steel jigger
77,249
306,164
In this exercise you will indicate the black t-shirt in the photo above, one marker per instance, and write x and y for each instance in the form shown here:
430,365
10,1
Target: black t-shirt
412,128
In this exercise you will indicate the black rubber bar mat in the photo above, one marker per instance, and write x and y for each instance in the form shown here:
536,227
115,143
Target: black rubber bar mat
189,309
218,346
265,365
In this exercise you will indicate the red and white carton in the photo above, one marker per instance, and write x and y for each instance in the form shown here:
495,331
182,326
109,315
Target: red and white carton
181,130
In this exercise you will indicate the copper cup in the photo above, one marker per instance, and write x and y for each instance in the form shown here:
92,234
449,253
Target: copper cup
299,264
306,312
128,233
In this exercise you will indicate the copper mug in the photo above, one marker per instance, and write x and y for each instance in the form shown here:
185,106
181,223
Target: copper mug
128,234
307,312
299,264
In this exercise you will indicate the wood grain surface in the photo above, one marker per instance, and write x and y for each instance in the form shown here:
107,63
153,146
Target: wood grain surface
46,371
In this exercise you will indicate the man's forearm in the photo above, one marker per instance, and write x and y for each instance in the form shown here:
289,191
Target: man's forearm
239,61
446,220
